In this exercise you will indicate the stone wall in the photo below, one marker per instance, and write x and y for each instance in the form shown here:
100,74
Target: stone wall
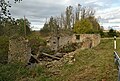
86,40
63,40
94,39
19,50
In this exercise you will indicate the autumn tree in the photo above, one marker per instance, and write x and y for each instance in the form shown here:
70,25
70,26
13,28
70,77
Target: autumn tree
73,20
95,24
83,26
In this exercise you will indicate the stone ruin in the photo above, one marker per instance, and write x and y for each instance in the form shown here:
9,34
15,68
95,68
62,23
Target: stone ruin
55,44
85,40
19,50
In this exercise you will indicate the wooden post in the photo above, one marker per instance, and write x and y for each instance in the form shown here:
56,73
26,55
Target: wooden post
24,26
115,43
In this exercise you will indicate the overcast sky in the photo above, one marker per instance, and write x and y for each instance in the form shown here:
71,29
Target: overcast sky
36,11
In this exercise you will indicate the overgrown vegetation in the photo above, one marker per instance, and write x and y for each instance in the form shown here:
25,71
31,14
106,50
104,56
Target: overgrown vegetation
69,48
4,43
18,72
73,21
35,42
15,28
95,64
110,33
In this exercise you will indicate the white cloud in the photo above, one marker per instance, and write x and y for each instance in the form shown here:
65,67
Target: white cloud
114,21
110,14
38,10
91,1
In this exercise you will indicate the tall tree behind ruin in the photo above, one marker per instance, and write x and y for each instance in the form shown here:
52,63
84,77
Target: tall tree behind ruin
95,23
69,16
87,12
78,9
67,20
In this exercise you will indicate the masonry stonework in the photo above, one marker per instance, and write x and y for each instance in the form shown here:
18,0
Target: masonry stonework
19,50
63,40
86,40
89,40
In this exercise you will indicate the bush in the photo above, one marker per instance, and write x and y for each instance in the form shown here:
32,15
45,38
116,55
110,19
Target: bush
69,48
18,72
11,72
35,42
112,33
4,46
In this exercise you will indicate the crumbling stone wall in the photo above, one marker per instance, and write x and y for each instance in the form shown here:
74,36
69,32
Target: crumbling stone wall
86,40
91,40
19,50
86,43
55,45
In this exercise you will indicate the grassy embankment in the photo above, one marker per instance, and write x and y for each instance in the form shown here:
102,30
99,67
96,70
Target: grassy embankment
91,65
94,64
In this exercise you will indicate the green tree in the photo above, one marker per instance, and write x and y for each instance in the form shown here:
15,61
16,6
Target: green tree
21,29
45,31
112,33
7,27
5,14
95,24
4,9
83,26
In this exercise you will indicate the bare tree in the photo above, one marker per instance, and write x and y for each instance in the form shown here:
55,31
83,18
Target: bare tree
69,12
78,9
87,12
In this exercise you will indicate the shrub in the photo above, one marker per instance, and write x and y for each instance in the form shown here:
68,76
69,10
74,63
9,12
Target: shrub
4,46
69,48
112,33
35,42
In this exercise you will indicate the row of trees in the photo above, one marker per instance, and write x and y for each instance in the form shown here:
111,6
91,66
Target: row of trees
8,25
14,27
110,33
79,20
87,25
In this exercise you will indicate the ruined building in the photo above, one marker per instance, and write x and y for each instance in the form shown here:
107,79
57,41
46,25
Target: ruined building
86,41
19,50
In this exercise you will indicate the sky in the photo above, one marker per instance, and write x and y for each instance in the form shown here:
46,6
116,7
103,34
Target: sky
37,11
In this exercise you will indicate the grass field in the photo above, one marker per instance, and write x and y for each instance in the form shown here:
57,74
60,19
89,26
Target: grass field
95,64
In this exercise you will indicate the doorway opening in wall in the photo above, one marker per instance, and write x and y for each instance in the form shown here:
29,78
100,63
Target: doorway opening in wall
54,42
78,37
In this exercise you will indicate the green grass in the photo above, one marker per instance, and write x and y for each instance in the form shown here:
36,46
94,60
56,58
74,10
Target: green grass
92,64
4,43
18,72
